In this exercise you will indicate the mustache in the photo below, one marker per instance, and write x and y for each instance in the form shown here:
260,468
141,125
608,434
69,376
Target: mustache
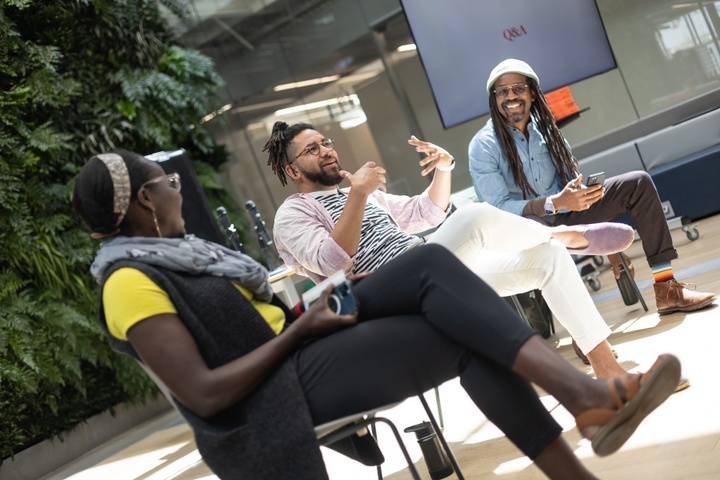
334,162
520,101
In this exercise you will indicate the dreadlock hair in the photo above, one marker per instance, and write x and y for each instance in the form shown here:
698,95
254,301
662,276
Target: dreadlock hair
564,161
278,147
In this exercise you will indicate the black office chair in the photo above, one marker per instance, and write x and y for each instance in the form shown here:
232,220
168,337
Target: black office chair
357,423
342,428
533,310
335,430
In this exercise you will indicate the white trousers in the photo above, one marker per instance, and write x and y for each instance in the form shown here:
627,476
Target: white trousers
515,255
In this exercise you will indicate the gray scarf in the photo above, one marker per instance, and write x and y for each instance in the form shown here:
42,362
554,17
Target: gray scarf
189,255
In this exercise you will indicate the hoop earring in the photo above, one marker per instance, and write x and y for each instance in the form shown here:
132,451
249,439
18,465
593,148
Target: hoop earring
157,226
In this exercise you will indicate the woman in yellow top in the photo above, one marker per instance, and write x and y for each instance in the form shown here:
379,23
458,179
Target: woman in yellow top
252,379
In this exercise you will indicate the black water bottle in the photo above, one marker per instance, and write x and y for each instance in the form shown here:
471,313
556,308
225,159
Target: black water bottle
435,458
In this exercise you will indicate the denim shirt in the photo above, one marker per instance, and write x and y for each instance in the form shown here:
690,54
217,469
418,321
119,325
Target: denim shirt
490,171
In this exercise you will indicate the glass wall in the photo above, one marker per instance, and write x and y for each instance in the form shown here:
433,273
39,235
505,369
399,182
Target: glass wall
336,64
667,51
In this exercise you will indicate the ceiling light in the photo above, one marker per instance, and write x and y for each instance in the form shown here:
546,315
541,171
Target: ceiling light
407,48
263,105
214,114
321,104
306,83
353,122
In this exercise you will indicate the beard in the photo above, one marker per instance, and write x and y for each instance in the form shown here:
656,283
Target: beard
326,179
516,116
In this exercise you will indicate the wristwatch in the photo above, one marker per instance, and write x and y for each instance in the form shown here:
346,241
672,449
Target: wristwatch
549,206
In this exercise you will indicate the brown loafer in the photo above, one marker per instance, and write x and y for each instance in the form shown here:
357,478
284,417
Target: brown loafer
673,296
635,396
605,238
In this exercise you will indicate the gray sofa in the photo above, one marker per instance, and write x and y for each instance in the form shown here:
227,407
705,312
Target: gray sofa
683,160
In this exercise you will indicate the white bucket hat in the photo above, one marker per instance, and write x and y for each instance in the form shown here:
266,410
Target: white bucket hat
511,65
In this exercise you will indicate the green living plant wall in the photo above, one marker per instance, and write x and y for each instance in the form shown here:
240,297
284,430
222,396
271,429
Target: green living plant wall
79,77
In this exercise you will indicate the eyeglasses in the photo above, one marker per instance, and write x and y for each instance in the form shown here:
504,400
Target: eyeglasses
314,148
173,181
518,89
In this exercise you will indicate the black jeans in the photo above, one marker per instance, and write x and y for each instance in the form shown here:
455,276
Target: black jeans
424,318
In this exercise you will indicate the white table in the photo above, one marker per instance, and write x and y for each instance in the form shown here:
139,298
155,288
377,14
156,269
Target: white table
281,280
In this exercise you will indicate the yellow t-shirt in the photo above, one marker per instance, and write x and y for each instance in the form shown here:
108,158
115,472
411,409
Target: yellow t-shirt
129,296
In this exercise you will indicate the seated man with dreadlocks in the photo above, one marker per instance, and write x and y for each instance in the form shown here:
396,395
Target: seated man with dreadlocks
521,163
323,229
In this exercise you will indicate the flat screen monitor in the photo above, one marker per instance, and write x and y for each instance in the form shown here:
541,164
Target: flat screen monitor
459,42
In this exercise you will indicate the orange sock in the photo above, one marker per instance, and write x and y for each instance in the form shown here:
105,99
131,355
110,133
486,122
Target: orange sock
662,272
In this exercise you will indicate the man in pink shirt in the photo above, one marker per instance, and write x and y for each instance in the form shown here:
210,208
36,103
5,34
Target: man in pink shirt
322,229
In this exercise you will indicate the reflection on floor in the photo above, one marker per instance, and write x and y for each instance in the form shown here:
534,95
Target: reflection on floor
681,440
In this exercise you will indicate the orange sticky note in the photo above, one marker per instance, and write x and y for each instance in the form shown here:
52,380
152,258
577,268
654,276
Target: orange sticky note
561,103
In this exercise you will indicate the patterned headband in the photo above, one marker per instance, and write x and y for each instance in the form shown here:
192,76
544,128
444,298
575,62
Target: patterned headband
121,185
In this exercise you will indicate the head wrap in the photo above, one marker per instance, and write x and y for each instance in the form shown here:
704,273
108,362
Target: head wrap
121,187
511,65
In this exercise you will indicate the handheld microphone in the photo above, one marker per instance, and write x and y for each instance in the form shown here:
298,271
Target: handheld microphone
230,229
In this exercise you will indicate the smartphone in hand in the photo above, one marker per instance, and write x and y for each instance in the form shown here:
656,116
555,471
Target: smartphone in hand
595,179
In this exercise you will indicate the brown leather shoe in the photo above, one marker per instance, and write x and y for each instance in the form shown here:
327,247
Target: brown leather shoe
635,397
617,266
673,296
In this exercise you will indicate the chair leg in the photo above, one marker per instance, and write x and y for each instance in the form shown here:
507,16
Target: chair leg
439,407
520,310
348,429
401,444
541,312
633,282
373,431
440,435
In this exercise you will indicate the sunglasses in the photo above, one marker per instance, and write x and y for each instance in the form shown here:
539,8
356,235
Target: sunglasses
518,89
172,178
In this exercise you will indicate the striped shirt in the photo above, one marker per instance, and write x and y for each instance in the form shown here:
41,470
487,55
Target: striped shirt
381,239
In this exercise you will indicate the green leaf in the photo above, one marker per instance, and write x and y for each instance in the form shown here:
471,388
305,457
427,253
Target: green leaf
127,108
